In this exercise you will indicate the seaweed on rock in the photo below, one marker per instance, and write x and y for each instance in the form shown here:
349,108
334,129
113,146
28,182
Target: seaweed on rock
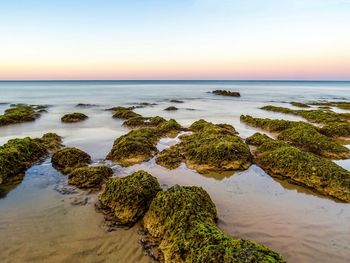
171,108
299,104
227,93
20,113
74,117
210,148
129,198
183,221
303,168
17,155
67,159
89,177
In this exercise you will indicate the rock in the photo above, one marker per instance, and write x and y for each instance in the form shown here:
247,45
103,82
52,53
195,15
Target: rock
17,155
19,113
299,104
227,93
89,177
129,197
303,168
67,159
74,117
124,113
176,101
171,108
182,220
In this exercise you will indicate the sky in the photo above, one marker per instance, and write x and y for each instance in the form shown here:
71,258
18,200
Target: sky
179,39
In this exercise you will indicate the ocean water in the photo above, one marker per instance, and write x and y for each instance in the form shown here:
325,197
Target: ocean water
41,222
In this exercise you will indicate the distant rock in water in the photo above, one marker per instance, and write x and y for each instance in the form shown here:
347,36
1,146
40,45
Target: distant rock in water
17,155
74,117
226,93
21,113
85,105
176,101
171,108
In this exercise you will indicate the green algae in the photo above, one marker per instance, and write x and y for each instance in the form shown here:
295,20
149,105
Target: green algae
19,113
299,104
344,105
300,167
129,197
171,108
17,155
139,145
302,135
210,148
316,116
67,159
74,117
124,113
183,221
336,129
226,93
89,177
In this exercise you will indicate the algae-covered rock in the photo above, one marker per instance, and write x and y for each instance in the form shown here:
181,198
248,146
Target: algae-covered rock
74,117
169,158
140,145
182,220
129,197
299,104
227,93
89,177
18,114
171,108
344,105
336,129
303,168
210,148
67,159
137,122
302,135
17,155
176,101
124,113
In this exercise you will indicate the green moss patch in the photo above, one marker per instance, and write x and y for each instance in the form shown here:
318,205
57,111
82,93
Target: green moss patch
299,104
226,93
67,159
124,113
140,145
304,168
17,155
336,129
74,117
182,220
129,198
210,148
344,105
20,113
89,177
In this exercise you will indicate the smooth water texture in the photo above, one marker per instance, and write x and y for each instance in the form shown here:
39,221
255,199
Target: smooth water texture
44,220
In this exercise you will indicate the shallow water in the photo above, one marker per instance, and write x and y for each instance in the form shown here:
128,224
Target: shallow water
41,224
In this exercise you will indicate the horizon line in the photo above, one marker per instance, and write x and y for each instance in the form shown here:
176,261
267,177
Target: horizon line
189,80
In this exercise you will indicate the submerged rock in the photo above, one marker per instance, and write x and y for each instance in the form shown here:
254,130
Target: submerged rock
171,108
302,135
19,113
299,104
344,105
176,101
89,177
140,145
182,221
17,155
128,198
210,148
226,93
67,159
299,167
74,117
85,105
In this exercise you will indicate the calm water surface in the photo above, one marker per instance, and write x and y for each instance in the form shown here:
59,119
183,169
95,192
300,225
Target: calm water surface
43,219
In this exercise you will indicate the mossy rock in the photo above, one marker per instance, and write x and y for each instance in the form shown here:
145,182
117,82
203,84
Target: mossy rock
124,113
67,159
303,168
344,105
130,197
302,135
183,221
18,114
227,93
309,139
17,155
210,148
89,177
176,101
170,158
171,108
138,122
299,104
336,129
140,145
74,117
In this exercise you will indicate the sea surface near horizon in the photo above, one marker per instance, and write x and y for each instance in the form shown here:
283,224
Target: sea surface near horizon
42,219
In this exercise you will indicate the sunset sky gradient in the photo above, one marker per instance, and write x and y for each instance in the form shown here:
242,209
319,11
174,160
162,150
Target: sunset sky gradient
182,39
